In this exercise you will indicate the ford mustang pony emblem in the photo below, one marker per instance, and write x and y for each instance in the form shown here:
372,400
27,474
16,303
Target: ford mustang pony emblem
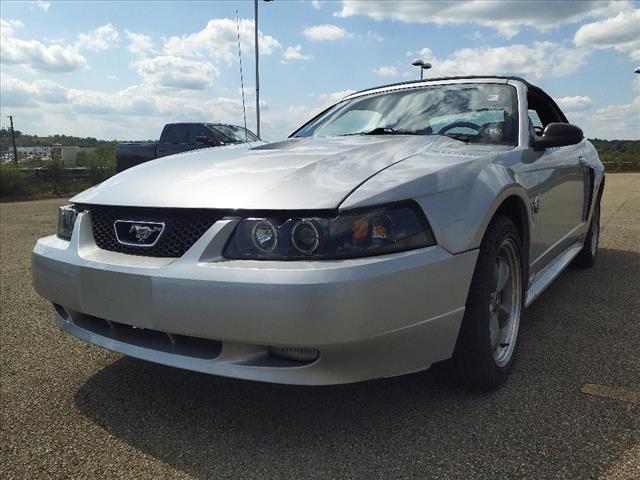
138,233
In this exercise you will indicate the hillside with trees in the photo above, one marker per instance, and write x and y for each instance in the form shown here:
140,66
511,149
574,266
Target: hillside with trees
619,154
26,140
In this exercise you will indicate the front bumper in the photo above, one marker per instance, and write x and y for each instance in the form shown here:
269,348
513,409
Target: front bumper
369,317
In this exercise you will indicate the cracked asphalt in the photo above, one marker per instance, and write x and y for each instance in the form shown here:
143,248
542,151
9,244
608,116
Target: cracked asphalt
72,410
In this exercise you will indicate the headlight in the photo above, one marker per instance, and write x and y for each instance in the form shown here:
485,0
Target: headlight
357,233
66,220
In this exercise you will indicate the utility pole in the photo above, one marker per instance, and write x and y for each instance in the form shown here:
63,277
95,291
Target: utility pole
13,141
257,69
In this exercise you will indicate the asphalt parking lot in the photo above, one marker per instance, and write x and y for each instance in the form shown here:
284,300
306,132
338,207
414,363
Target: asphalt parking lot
72,410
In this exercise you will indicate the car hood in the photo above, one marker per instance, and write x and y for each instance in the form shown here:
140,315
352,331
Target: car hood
295,174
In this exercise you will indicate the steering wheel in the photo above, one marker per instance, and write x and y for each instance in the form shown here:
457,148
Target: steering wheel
461,124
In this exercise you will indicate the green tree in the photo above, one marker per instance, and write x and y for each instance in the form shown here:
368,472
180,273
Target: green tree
55,174
13,182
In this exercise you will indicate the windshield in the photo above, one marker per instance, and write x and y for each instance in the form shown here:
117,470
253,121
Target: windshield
482,112
233,134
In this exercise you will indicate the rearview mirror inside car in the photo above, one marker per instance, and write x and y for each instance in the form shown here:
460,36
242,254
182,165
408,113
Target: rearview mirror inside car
558,135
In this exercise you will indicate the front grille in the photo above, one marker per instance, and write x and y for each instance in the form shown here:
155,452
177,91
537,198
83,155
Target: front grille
183,227
152,339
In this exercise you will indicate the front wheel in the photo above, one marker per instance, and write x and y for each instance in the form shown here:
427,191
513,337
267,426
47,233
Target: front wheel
488,338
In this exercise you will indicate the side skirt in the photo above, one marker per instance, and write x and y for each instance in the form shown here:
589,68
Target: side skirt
549,274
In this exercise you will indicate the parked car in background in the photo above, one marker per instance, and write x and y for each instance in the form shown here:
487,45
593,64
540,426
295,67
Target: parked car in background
406,225
181,137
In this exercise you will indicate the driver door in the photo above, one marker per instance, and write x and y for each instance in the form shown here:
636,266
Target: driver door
559,198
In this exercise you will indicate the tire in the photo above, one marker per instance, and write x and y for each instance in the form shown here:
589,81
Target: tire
488,338
587,256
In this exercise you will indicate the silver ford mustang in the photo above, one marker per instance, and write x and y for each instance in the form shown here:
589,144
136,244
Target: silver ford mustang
405,225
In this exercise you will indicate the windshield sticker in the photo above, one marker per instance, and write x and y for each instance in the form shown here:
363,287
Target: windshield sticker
493,98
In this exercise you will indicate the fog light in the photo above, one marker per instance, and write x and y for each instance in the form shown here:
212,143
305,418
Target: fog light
66,220
297,354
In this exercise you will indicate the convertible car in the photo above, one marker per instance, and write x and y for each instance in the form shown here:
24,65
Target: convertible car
405,225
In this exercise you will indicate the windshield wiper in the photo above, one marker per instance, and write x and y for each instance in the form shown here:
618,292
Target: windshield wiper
391,131
467,139
457,136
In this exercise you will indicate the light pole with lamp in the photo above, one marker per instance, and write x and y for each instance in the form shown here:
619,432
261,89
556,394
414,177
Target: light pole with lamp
423,66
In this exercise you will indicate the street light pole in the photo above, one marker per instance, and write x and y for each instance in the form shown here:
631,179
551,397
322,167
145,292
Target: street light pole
13,141
257,69
423,66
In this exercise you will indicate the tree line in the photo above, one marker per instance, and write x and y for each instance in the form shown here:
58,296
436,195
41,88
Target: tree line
26,140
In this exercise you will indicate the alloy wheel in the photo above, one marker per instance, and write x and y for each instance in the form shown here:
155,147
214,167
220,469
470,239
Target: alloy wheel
505,302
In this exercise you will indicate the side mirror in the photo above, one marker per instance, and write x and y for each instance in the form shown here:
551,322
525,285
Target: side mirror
558,135
202,140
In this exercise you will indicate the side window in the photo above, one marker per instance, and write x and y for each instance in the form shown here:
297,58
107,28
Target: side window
535,119
177,134
541,112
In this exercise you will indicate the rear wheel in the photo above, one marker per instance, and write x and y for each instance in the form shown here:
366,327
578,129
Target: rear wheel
488,338
587,256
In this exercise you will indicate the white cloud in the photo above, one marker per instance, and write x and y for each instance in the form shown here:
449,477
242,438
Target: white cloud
218,41
140,44
135,112
279,124
574,104
327,99
317,4
295,53
17,93
7,27
44,6
125,102
175,72
535,61
324,32
34,54
102,38
505,17
618,121
389,71
621,32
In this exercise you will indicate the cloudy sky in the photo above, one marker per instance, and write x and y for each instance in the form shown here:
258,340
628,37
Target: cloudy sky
123,69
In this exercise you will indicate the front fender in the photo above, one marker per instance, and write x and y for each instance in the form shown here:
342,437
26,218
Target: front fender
459,217
459,194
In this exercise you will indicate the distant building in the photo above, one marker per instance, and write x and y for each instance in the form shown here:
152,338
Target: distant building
43,151
67,153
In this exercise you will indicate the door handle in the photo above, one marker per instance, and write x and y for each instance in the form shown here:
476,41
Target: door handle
582,161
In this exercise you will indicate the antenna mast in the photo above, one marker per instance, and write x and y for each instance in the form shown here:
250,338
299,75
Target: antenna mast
244,110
